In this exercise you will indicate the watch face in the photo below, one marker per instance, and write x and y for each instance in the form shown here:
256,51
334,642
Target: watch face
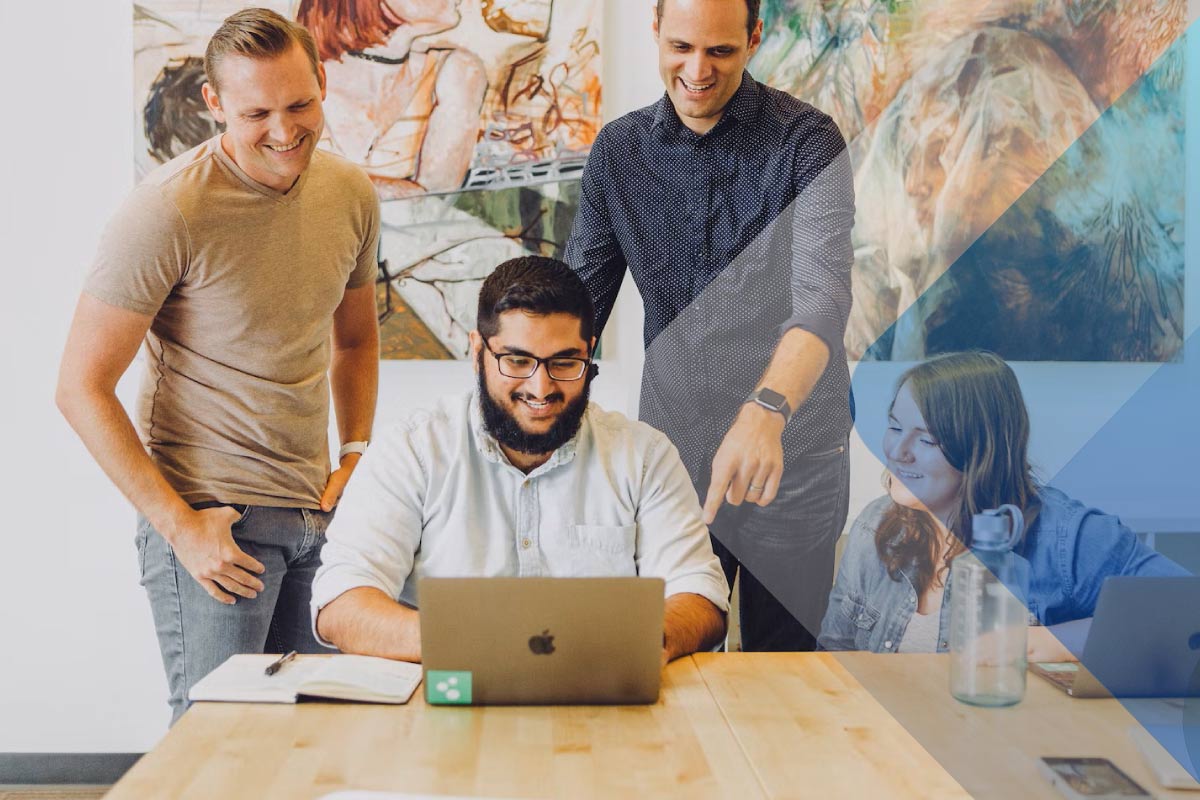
771,398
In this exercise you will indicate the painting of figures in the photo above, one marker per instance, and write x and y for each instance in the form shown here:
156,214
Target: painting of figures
473,119
1018,169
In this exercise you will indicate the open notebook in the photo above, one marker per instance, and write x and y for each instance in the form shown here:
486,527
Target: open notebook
341,677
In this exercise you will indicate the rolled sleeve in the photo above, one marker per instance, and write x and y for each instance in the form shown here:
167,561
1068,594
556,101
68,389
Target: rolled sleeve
822,217
672,539
1103,547
373,539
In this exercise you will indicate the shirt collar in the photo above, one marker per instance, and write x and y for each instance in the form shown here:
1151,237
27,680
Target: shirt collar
490,449
664,114
280,197
742,108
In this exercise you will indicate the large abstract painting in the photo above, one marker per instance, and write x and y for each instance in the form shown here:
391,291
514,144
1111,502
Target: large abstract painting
472,117
1018,169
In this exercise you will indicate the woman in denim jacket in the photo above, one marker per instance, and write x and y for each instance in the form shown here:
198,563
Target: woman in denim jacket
956,444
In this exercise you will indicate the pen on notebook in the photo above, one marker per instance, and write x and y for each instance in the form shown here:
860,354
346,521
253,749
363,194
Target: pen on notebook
278,663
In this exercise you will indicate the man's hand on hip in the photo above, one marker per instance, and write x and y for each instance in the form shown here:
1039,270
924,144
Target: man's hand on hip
204,545
338,480
749,463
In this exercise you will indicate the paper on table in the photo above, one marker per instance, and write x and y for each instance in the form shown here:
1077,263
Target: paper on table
350,677
344,677
241,679
1165,750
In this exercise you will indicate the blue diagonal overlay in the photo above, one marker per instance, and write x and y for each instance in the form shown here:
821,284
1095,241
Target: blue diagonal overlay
1143,465
1089,266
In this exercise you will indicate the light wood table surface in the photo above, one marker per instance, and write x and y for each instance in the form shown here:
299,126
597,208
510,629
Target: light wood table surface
845,725
678,747
774,704
992,750
811,730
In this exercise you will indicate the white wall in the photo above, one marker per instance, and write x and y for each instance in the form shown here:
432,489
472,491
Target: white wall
79,666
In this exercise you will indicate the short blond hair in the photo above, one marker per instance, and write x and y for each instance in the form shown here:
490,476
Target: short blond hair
257,33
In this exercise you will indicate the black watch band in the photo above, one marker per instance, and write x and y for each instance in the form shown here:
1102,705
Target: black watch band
770,399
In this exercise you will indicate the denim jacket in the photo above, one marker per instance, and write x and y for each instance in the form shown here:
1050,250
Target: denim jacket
1070,548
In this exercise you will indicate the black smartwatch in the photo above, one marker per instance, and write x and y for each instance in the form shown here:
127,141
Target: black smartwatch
773,400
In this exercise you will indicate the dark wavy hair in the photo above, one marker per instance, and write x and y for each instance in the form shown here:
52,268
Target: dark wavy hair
972,404
751,14
536,284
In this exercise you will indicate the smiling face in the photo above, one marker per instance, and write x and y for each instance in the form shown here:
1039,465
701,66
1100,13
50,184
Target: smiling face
703,47
271,108
531,417
921,477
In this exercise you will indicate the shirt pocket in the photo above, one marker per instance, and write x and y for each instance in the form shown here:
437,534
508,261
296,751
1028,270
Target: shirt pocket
863,617
594,551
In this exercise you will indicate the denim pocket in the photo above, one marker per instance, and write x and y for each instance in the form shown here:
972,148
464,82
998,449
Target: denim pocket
245,512
811,505
139,540
837,451
864,618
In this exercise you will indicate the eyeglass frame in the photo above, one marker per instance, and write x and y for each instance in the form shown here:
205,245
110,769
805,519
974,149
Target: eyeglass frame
538,362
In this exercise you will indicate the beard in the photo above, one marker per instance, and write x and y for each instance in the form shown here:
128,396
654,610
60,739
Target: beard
502,425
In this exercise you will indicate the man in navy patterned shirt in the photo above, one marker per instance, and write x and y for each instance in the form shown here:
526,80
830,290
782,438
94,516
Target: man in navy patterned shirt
731,203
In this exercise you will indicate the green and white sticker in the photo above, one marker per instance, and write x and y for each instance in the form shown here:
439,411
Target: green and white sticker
448,687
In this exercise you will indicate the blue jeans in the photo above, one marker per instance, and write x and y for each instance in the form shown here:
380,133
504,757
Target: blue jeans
785,552
197,633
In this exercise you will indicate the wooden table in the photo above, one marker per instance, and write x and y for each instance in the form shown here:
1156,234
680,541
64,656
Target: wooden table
991,751
877,707
810,730
678,747
728,725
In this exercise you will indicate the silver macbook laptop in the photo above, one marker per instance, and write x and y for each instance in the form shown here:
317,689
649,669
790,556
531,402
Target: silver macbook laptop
1144,641
541,640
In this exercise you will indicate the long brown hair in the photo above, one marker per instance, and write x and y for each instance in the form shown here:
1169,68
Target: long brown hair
343,26
972,404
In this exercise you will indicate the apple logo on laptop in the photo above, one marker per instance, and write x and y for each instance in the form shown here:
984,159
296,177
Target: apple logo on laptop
1194,642
542,645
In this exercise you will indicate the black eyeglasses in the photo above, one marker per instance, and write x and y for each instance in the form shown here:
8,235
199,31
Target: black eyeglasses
559,368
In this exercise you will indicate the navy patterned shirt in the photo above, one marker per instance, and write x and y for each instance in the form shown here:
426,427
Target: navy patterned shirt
733,237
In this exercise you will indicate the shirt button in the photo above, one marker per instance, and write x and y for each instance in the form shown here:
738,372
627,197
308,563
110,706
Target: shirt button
888,643
526,542
945,644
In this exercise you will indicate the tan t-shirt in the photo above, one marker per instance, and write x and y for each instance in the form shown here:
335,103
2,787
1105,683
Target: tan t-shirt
242,282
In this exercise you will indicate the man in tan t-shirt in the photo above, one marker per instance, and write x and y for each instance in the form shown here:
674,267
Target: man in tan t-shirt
234,263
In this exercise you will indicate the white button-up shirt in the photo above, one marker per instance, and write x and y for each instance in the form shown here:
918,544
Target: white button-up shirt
435,495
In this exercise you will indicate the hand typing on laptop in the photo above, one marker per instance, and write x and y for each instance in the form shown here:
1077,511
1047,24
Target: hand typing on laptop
521,478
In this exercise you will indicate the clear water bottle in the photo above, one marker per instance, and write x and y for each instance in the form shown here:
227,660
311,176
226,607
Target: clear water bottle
988,612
